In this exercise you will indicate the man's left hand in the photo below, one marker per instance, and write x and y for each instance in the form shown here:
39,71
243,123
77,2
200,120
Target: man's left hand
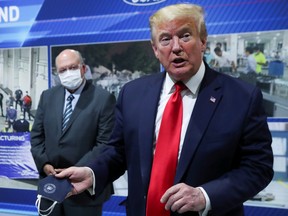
183,198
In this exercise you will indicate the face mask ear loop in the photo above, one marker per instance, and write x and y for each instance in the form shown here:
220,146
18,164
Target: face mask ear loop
47,211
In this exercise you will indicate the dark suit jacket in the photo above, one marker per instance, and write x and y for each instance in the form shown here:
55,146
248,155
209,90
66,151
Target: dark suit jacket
90,126
227,148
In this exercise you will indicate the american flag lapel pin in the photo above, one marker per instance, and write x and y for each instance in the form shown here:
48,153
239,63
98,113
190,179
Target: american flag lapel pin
212,99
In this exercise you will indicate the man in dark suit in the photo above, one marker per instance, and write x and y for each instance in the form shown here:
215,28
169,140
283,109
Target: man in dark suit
58,145
224,154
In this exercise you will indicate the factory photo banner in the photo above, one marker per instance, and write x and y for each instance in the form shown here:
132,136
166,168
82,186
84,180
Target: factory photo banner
16,161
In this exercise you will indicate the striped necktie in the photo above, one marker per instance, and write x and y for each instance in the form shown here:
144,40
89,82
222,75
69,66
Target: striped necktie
68,111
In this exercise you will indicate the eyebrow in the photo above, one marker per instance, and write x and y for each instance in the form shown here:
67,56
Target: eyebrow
164,34
181,30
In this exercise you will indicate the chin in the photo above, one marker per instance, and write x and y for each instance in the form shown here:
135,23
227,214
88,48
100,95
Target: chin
180,75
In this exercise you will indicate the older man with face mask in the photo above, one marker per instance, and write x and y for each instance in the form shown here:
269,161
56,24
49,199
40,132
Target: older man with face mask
71,121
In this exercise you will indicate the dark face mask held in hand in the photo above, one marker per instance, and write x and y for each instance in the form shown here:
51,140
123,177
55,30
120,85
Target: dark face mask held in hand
53,189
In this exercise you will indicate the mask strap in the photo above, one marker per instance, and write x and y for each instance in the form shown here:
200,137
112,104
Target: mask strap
47,211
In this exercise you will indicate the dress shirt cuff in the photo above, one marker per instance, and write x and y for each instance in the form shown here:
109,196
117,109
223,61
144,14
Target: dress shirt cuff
91,189
205,211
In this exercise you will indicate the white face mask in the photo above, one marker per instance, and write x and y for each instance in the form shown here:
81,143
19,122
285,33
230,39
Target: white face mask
71,79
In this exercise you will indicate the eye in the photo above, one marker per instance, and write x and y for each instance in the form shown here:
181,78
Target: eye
186,37
74,67
165,41
62,70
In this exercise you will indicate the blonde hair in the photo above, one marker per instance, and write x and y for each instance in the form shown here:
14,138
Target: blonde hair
185,10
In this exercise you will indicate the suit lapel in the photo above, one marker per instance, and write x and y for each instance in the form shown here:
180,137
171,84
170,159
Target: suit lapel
57,111
147,126
209,97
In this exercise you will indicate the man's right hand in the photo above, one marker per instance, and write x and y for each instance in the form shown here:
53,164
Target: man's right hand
81,178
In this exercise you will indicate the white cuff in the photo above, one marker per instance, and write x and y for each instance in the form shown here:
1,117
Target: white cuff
208,204
91,190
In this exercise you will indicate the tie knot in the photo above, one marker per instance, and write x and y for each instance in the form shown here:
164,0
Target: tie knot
70,98
180,86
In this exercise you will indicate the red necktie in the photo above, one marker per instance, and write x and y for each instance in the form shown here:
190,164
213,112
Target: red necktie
166,153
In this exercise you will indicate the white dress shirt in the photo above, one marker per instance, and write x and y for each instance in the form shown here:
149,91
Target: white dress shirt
189,97
76,95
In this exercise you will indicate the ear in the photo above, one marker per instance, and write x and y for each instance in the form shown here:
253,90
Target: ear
83,70
203,44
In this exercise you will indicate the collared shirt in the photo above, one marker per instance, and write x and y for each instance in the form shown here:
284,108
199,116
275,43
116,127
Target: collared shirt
189,97
76,95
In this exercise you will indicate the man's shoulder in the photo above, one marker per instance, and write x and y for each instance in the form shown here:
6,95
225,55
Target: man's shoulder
53,90
96,88
234,85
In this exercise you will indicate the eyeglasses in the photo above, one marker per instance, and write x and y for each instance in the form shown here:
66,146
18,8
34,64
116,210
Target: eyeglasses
71,67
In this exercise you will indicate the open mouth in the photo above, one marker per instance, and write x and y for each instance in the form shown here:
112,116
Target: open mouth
178,61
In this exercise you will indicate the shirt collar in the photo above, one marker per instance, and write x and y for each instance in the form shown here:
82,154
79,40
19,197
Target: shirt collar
192,84
77,92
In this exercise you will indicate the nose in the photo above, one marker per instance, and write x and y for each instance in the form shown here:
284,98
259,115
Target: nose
176,47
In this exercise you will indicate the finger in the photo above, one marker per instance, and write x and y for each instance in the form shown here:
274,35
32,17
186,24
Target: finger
64,173
53,172
170,202
178,205
169,192
174,202
69,194
72,192
183,209
59,170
